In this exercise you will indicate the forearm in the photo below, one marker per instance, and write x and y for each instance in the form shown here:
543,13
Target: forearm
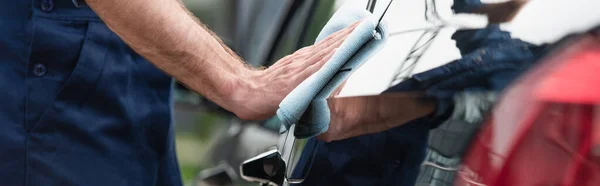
355,116
392,111
166,35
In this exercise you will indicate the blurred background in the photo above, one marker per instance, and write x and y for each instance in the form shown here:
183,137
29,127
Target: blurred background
212,142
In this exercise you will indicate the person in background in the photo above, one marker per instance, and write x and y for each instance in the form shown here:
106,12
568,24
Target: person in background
86,94
382,140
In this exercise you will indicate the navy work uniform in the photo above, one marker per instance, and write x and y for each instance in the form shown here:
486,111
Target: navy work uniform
78,106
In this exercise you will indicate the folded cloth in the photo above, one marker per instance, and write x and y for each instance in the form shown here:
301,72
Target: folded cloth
306,105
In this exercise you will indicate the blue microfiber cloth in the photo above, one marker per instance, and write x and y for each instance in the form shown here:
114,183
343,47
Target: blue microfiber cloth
306,106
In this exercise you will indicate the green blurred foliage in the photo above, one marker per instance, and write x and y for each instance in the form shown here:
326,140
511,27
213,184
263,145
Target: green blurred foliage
193,143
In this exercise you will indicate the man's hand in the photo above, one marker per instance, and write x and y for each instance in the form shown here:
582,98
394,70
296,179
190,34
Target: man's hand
261,92
168,36
356,116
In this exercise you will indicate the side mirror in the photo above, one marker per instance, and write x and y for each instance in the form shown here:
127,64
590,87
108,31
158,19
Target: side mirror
276,167
221,175
267,168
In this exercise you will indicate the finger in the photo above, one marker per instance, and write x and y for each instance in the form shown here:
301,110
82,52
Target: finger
304,49
336,40
287,60
314,67
345,31
339,35
283,61
325,46
306,55
323,49
318,51
321,55
302,52
320,59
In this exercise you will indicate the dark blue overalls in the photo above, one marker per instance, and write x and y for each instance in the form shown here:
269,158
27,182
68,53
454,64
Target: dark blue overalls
78,106
491,59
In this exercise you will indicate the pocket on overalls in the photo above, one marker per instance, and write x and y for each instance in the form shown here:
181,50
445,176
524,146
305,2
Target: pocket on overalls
73,92
67,135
